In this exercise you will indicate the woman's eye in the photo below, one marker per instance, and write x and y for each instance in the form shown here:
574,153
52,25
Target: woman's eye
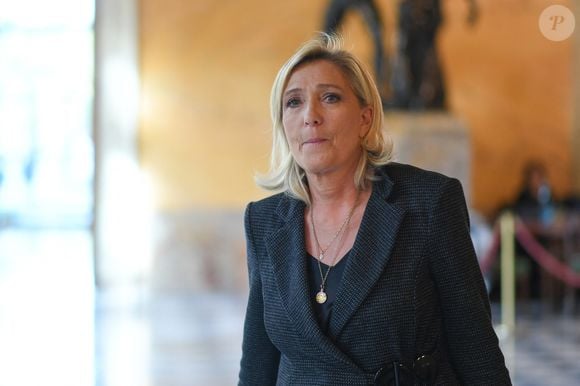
331,98
292,102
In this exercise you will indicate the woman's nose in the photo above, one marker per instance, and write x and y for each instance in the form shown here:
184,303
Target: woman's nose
312,116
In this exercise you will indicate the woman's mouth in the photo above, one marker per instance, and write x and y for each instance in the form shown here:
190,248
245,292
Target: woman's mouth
313,141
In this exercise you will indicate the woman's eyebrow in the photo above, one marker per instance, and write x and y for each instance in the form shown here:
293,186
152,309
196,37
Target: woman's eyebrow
292,90
328,85
319,86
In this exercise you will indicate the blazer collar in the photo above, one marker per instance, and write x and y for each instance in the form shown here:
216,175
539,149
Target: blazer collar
367,260
369,255
285,247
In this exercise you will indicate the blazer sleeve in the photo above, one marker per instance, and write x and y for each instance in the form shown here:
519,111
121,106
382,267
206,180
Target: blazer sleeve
473,346
260,358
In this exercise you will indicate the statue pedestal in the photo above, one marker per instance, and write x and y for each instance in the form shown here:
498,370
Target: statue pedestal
435,141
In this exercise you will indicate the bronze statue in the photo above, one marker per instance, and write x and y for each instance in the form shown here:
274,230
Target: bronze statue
416,81
334,16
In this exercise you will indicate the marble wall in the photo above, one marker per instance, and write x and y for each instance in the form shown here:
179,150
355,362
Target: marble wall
207,69
206,72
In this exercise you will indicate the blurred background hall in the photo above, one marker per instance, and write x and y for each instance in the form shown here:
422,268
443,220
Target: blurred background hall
130,131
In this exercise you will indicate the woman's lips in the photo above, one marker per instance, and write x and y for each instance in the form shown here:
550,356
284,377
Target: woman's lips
314,141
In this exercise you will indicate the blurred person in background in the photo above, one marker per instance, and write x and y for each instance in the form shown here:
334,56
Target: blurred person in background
535,204
537,207
535,196
361,270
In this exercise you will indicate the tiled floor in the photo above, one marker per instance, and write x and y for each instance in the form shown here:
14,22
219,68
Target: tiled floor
545,352
176,340
56,330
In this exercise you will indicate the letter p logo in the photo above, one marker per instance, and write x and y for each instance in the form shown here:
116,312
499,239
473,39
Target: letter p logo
557,23
556,19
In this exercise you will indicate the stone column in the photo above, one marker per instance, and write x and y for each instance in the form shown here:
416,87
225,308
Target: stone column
121,245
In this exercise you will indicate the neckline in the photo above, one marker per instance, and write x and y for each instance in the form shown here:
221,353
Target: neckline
343,258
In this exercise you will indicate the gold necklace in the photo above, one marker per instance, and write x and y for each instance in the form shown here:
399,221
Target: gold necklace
322,251
321,296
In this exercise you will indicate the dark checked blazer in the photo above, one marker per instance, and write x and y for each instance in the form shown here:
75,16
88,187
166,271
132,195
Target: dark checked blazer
411,286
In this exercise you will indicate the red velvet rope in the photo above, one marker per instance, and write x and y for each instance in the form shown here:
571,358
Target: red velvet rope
550,263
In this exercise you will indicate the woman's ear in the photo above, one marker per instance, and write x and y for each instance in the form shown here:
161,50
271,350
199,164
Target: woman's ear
366,120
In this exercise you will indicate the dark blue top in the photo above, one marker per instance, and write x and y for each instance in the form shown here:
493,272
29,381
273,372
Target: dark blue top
323,311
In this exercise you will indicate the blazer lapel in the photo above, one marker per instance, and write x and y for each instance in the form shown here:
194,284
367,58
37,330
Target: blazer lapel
369,255
285,246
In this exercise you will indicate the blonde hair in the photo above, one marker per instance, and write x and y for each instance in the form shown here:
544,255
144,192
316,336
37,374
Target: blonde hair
285,174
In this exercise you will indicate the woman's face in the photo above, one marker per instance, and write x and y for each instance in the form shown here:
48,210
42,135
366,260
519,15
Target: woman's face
323,119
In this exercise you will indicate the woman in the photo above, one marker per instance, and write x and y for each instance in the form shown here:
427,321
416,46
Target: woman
361,271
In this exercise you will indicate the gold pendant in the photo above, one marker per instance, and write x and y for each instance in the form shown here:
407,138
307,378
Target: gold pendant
321,297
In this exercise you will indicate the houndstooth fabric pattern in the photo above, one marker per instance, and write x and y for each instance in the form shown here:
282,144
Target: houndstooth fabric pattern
411,286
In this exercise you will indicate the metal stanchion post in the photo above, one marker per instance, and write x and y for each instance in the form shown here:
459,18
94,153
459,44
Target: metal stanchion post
508,285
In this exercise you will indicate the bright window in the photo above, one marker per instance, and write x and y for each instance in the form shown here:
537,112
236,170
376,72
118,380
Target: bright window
46,96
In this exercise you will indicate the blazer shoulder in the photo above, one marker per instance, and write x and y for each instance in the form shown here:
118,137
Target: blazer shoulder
264,214
266,205
409,178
